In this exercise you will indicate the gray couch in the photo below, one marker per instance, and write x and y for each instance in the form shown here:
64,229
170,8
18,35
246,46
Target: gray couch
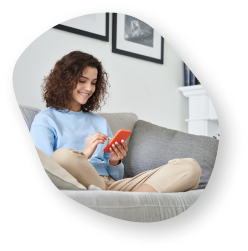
150,146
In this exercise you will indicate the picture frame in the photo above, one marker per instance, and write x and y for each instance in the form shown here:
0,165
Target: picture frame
134,38
93,26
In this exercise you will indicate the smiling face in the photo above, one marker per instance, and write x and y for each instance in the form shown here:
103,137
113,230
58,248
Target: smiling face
85,88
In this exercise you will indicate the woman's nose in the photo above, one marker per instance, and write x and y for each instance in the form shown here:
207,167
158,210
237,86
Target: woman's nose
88,86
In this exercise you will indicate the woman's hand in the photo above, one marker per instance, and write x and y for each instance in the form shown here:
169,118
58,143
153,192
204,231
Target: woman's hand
118,152
92,142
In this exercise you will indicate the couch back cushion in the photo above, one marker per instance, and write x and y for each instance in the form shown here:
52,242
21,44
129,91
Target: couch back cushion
152,146
28,114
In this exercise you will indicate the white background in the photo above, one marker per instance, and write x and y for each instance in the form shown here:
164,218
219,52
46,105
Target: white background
94,23
148,89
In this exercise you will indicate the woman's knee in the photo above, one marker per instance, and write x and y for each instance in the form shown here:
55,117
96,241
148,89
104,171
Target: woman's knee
67,156
192,167
77,164
61,154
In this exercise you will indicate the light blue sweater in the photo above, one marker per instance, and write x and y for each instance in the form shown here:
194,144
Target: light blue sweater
53,129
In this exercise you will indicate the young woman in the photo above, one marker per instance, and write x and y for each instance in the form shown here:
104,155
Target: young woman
74,136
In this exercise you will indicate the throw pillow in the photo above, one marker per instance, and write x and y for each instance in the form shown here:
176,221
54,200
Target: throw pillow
152,146
58,175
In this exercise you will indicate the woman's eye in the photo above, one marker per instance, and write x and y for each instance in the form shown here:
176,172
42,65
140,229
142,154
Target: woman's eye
84,82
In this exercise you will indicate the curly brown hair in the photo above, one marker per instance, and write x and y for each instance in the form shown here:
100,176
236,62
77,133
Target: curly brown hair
58,85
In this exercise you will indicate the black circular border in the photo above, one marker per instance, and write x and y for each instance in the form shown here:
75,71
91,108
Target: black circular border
215,200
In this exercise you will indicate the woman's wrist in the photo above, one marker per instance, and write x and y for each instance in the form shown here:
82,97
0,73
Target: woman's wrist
114,163
85,153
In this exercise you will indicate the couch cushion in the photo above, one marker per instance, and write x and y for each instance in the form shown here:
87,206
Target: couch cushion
152,146
58,175
138,207
119,121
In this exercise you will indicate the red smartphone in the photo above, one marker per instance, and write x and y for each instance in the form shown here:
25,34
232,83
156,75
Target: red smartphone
121,134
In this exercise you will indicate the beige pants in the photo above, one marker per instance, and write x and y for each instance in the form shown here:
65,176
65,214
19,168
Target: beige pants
178,175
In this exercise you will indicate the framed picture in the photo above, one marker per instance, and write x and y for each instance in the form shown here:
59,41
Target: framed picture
134,38
93,25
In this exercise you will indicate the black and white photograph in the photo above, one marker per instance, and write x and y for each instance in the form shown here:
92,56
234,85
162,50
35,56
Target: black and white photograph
134,38
94,25
137,31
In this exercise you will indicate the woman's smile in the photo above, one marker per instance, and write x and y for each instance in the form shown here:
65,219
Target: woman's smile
85,95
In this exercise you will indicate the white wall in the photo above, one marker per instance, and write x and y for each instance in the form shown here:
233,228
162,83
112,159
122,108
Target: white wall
148,89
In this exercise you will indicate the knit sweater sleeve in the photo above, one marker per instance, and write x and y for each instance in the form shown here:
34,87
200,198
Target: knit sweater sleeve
116,172
43,135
